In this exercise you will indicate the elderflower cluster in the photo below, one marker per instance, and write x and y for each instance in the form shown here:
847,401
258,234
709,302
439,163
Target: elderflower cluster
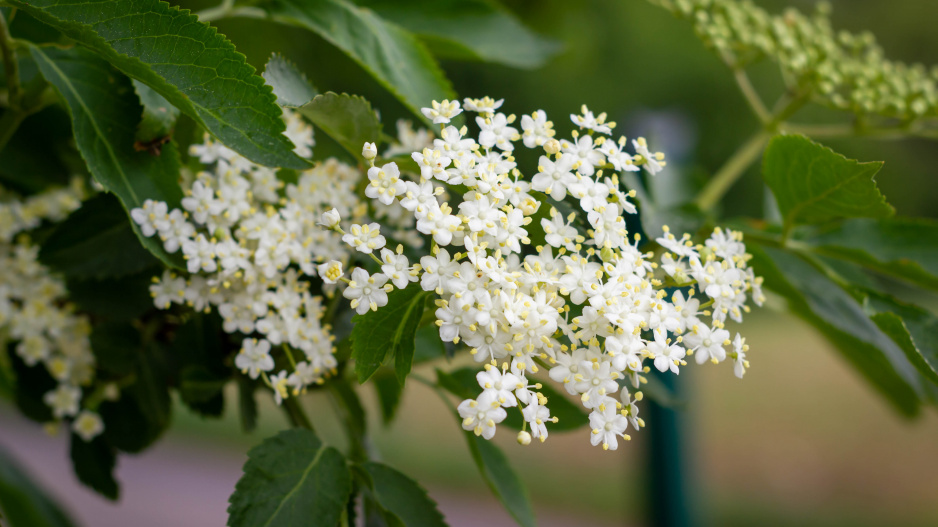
587,306
846,71
34,316
253,250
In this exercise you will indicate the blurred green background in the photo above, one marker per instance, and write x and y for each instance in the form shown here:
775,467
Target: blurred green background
802,440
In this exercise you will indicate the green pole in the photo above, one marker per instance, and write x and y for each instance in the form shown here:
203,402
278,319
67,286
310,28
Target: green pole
669,499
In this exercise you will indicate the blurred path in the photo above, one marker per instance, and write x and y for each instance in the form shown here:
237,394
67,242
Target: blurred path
181,483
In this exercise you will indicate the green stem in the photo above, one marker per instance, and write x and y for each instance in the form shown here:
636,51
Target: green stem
10,65
749,92
9,122
732,170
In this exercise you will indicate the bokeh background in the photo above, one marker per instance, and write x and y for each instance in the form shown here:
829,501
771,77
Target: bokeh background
801,441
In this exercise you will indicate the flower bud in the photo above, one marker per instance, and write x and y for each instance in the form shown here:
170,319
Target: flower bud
369,151
524,438
330,219
552,147
330,272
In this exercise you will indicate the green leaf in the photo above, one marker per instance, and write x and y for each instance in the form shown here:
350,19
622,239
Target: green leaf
142,414
159,116
429,344
389,393
348,119
813,184
290,85
94,462
502,480
914,330
390,54
96,241
822,303
186,61
115,299
469,30
198,385
402,497
115,346
32,383
105,112
291,480
389,331
23,502
905,248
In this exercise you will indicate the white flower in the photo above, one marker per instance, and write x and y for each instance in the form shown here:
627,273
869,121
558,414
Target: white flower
330,219
667,356
739,355
653,163
367,292
537,130
369,151
607,425
499,385
496,132
279,383
397,268
365,238
442,112
584,152
481,415
537,415
63,400
707,343
331,271
88,425
385,183
254,357
150,216
432,164
483,105
555,177
588,121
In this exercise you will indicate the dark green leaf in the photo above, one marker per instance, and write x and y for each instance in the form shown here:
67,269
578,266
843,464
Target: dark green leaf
389,393
822,303
142,413
914,330
353,416
814,184
96,241
23,502
32,383
105,111
291,480
290,85
159,116
429,344
389,331
116,347
247,403
348,119
186,61
906,248
402,497
501,478
116,299
197,384
29,162
94,462
469,30
394,57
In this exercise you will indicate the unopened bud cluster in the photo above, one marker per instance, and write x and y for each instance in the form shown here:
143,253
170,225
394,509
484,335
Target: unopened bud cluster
840,69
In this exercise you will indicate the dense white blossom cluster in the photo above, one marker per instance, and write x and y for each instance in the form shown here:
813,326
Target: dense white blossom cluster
252,251
34,315
588,306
